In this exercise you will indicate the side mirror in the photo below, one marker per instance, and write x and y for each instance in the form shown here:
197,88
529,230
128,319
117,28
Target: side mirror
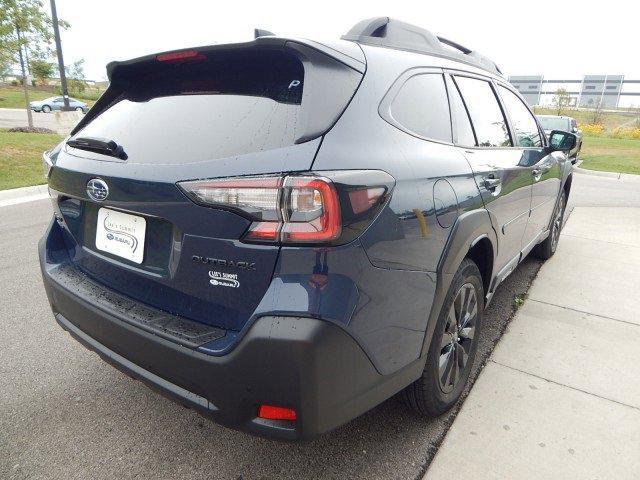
562,141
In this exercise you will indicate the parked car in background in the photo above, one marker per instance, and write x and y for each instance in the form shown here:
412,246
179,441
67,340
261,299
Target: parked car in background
565,124
56,103
282,234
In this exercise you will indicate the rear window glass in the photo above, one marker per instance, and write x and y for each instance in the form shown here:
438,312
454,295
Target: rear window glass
422,108
464,131
488,121
214,108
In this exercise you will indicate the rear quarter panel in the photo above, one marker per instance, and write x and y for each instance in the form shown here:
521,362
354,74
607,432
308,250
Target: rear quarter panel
433,181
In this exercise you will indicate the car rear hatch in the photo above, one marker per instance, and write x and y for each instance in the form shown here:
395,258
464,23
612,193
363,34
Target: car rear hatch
223,111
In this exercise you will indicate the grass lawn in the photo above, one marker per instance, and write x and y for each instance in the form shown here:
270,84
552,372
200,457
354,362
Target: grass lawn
611,155
13,97
21,158
610,120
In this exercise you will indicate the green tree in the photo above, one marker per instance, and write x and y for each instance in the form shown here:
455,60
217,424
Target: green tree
25,26
5,68
561,100
75,76
41,70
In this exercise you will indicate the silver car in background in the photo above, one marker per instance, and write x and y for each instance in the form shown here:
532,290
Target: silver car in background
56,103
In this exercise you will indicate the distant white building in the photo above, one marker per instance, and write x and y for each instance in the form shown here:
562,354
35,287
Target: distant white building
609,91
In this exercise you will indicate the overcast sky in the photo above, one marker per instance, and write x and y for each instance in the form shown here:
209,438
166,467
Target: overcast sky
559,38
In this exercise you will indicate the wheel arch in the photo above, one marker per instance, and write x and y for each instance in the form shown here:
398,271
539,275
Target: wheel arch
472,235
567,184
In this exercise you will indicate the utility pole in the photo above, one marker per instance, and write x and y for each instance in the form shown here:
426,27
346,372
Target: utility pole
63,77
24,79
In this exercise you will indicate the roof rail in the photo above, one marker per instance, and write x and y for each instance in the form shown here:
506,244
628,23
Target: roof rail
386,32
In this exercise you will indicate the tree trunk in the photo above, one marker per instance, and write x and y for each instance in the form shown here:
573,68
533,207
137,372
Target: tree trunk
24,81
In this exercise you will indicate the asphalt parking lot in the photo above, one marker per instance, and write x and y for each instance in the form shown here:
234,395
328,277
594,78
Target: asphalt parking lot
66,414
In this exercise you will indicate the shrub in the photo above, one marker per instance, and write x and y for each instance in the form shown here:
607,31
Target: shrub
592,129
630,133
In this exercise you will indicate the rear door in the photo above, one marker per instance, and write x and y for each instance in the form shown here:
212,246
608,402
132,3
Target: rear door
505,185
544,168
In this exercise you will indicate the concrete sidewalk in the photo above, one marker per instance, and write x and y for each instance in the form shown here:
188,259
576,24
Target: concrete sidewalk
560,396
60,122
15,196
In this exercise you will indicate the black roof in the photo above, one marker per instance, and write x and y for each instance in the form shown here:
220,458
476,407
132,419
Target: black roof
386,32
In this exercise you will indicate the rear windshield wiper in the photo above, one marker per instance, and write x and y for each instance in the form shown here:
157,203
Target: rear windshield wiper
99,145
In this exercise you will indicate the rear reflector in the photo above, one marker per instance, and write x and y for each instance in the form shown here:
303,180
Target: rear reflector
269,412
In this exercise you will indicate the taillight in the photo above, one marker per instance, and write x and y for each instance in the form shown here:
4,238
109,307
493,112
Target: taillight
295,209
311,211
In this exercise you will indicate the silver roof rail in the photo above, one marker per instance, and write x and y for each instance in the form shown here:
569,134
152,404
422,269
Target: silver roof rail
386,32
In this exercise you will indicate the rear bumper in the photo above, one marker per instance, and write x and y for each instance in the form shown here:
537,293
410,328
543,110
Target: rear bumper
306,364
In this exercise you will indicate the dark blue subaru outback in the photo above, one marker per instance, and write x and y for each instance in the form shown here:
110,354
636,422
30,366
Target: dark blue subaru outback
282,234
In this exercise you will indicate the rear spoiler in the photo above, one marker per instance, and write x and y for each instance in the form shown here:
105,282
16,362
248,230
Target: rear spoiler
122,72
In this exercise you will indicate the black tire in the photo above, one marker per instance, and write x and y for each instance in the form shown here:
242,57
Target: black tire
45,109
430,395
79,109
546,249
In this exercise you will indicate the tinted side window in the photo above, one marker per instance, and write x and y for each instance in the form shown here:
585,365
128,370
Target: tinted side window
524,125
464,131
486,115
422,108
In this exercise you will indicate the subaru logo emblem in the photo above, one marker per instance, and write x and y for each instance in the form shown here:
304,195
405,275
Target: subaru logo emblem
97,189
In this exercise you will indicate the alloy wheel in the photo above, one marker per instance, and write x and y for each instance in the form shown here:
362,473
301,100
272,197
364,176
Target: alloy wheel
457,338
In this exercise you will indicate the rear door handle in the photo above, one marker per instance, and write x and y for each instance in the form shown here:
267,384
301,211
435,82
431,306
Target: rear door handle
491,183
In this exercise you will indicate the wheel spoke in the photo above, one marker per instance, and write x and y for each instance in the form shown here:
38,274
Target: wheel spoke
457,304
446,365
452,322
445,342
458,337
454,368
465,303
467,332
463,354
467,326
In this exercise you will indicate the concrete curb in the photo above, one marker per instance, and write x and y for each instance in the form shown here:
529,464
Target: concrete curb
16,196
625,177
596,173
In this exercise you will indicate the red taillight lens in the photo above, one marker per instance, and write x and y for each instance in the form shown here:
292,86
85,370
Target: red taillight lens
269,412
296,209
312,211
263,232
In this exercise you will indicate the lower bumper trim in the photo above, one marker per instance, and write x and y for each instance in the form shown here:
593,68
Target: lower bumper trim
131,368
